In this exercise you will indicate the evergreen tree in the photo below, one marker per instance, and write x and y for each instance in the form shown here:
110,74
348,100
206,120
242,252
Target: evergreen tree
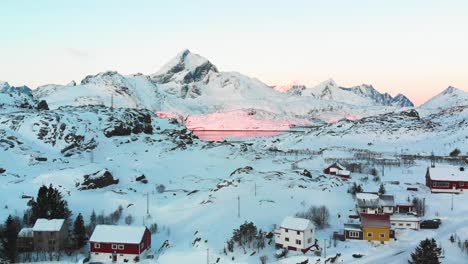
426,253
79,232
9,235
382,189
49,204
92,222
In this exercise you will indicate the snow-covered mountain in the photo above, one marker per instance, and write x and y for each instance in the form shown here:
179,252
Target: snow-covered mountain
358,95
450,97
16,98
190,86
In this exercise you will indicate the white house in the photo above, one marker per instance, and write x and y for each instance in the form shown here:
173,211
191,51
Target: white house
295,234
401,221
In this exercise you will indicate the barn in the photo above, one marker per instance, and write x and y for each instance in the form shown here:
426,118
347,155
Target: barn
110,243
447,179
338,170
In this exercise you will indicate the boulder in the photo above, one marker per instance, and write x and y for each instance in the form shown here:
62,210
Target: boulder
98,180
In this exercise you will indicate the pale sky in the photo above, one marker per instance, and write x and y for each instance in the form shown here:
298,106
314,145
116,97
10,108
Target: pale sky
414,47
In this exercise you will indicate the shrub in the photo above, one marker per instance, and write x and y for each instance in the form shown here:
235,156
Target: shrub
319,215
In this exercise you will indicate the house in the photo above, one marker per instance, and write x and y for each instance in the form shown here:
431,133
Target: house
372,203
376,227
403,221
50,235
119,243
338,170
25,241
373,227
295,234
447,179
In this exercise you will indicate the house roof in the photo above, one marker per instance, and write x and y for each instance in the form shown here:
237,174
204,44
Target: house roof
387,200
375,220
43,224
26,232
403,217
367,200
294,223
118,234
353,227
337,165
447,173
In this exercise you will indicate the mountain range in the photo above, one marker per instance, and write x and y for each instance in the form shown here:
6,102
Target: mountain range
191,89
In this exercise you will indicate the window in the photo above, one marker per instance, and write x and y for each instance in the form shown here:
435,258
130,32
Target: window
400,224
353,234
97,245
408,224
309,240
298,232
382,235
369,234
286,239
114,246
441,184
364,210
462,183
298,242
121,247
96,253
286,230
393,224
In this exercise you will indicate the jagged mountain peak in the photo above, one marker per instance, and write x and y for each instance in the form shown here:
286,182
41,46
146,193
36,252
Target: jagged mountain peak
451,90
186,67
102,76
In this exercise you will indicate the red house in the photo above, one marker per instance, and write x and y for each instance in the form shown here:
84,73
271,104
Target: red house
338,170
110,243
447,179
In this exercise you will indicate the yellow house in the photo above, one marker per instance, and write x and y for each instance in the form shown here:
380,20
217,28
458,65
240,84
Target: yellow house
376,227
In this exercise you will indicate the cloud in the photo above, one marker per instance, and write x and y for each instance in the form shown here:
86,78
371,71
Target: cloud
77,53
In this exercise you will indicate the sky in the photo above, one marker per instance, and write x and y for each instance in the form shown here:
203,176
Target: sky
413,47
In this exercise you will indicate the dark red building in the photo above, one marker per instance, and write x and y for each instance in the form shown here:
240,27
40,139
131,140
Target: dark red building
110,243
338,170
447,179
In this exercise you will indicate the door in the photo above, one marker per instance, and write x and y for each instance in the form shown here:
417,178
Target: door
114,257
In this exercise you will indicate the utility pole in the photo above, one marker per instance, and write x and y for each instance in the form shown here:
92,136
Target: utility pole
147,203
238,206
383,168
207,256
325,248
255,189
452,201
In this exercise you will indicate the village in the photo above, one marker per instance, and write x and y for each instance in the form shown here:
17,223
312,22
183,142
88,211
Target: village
378,217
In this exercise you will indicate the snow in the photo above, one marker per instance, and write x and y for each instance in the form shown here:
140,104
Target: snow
404,217
48,225
446,173
25,232
294,223
367,196
118,234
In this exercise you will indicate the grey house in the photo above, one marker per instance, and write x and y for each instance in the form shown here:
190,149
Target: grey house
50,235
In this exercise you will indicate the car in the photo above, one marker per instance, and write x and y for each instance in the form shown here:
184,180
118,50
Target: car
430,224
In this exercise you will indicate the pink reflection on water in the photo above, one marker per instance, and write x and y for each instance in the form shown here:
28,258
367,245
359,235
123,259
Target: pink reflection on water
220,135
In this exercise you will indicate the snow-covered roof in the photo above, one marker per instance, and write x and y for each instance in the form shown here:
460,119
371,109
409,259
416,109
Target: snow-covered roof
448,174
367,196
294,223
375,220
26,232
354,227
43,224
118,234
343,172
404,217
387,200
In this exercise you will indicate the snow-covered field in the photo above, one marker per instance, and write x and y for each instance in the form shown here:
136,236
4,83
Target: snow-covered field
201,195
